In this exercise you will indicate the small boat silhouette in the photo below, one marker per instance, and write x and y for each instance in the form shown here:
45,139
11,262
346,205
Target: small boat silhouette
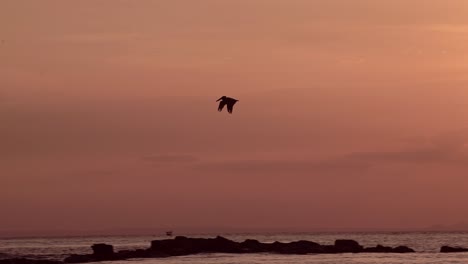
168,233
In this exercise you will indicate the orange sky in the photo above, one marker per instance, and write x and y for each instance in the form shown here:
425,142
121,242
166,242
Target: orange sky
352,114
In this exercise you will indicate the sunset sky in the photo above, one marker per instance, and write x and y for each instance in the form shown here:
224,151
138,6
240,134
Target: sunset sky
352,114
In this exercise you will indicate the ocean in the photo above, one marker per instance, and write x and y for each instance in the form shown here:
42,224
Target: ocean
426,245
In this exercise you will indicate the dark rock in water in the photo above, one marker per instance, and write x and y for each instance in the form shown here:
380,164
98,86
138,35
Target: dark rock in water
347,246
102,250
223,245
329,249
297,247
184,246
378,249
181,246
78,258
252,246
274,247
403,249
138,253
447,249
382,249
28,261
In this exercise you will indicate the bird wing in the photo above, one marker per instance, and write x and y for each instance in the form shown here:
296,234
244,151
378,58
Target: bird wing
221,105
230,105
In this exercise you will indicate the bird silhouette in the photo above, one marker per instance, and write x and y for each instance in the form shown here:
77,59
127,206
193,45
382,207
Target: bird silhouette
226,101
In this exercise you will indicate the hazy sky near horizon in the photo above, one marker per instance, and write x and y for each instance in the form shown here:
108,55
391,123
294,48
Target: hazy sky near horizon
351,114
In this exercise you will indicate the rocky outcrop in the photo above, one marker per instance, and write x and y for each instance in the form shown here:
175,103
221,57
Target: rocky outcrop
102,250
181,246
447,249
347,246
184,246
382,249
251,245
403,249
28,261
297,247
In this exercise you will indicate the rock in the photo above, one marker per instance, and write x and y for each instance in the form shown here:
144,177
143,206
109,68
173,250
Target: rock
252,246
297,247
181,246
447,249
138,253
223,245
347,246
28,261
378,249
403,249
274,247
382,249
102,250
329,249
184,246
79,258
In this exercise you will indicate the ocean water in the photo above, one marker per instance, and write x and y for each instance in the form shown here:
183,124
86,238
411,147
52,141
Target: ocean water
426,244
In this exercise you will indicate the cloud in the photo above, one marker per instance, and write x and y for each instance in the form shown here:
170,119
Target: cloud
443,149
171,159
282,166
429,155
109,37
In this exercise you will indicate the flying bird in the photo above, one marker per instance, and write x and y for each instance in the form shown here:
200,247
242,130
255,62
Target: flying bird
226,101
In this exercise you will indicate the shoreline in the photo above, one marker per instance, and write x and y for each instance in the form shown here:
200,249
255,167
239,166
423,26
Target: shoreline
184,246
